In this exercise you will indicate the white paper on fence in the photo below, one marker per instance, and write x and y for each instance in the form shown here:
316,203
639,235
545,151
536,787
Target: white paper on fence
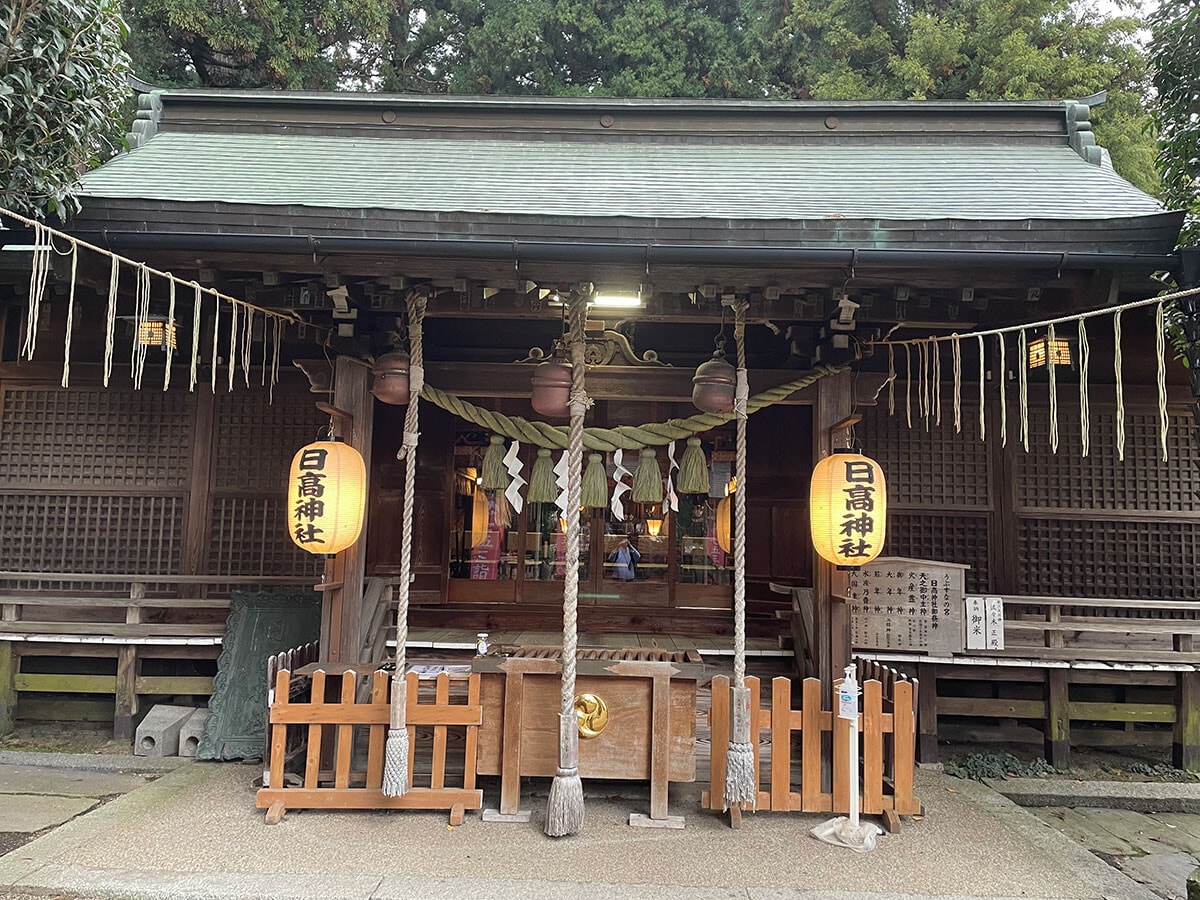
560,479
620,488
973,621
841,833
512,462
993,613
672,497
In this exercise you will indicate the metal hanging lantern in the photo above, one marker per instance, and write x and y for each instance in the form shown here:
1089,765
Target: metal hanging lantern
327,497
714,383
391,378
551,395
847,504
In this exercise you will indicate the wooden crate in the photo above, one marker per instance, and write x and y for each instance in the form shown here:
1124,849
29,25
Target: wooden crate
330,726
651,734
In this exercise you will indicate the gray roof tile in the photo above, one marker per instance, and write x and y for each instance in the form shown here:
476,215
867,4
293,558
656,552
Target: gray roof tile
608,179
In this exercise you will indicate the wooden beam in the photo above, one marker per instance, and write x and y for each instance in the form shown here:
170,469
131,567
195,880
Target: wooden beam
8,689
196,531
1058,719
1185,742
832,620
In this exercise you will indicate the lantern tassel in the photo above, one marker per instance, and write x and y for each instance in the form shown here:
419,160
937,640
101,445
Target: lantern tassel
542,488
594,493
693,469
495,475
647,480
395,751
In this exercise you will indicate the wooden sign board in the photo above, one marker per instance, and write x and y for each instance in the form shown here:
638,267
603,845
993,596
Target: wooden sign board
906,604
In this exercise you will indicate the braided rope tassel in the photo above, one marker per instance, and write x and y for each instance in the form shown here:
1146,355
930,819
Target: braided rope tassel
169,332
196,310
1117,366
1085,412
1164,420
70,317
396,775
564,809
1023,387
982,378
956,350
740,784
1052,364
1003,393
114,278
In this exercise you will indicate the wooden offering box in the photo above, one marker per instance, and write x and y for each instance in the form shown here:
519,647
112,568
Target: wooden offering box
650,735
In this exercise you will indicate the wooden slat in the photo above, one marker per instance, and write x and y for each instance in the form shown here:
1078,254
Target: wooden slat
174,684
378,736
718,724
660,744
114,629
372,714
810,743
510,760
781,743
441,698
345,733
312,760
1067,625
872,736
84,601
110,578
755,688
279,732
904,736
360,798
471,754
65,684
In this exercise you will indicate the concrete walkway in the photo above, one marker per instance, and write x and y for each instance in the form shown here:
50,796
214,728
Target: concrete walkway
195,833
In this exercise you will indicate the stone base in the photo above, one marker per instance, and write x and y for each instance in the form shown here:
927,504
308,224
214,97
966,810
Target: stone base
640,820
494,815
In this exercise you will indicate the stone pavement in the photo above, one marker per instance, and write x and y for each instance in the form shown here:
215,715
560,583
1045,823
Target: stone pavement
194,833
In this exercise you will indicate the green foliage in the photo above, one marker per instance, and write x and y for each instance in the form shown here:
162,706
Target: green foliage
1175,50
807,49
63,75
980,766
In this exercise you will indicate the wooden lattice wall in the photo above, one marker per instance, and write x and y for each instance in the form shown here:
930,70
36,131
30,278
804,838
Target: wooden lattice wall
1045,523
117,480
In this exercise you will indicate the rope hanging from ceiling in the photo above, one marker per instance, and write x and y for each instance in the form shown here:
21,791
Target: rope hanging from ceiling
242,314
624,437
927,351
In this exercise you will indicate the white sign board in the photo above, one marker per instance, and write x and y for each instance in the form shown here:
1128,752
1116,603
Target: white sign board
984,621
906,604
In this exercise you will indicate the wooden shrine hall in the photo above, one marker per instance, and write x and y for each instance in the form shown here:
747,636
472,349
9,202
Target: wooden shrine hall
907,279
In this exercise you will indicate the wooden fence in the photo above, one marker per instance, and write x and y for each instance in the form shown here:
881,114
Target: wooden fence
888,746
330,780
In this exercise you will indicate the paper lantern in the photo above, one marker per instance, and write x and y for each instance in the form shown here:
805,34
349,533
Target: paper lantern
480,515
327,497
847,508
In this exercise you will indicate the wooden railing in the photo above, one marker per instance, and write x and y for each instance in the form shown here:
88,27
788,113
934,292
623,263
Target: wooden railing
153,615
330,780
888,746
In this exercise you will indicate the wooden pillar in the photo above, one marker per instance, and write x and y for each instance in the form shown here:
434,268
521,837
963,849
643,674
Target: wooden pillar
127,671
8,687
1058,718
1185,742
927,725
197,534
342,609
831,616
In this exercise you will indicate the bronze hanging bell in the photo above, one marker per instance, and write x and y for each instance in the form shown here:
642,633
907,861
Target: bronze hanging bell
714,384
551,396
391,378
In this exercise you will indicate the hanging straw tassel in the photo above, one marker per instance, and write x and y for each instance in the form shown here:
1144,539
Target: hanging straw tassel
740,784
564,810
647,480
594,492
495,474
693,469
395,755
542,488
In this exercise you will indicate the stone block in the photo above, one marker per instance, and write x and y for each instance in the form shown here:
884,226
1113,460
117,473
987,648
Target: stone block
192,731
158,735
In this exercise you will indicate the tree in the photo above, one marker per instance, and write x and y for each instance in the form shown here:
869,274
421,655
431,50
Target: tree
63,78
293,44
1175,49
